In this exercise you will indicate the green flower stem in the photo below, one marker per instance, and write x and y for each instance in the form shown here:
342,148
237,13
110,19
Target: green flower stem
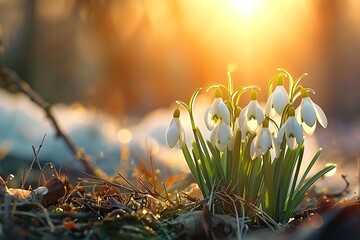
203,188
190,162
236,158
294,181
293,89
219,172
203,170
268,180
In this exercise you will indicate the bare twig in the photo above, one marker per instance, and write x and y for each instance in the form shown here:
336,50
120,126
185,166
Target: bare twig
36,153
10,78
36,158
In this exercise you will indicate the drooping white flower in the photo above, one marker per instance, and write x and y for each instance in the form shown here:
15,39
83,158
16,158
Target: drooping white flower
220,136
263,142
175,134
277,100
217,111
292,131
308,113
242,124
254,114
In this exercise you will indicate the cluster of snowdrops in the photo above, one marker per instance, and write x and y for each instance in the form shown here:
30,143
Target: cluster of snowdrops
252,153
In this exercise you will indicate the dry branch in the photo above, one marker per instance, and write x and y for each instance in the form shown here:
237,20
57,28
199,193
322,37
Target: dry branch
11,79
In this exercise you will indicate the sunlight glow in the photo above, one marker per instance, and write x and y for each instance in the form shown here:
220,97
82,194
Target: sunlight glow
245,7
153,145
78,112
124,136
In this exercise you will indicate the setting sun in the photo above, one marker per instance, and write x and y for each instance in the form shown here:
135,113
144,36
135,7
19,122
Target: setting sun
245,7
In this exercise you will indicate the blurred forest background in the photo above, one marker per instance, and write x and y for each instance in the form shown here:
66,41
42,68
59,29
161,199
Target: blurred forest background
133,58
129,57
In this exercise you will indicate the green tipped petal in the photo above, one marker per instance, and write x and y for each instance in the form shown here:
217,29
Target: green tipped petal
176,113
291,111
304,93
280,81
253,95
218,93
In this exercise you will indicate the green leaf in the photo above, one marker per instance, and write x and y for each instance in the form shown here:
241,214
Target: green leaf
207,158
216,161
311,164
299,161
190,162
201,182
199,155
268,181
302,192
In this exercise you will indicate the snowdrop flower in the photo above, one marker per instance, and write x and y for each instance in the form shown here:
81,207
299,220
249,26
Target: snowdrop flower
175,134
277,100
217,111
254,114
242,124
308,112
263,141
220,136
292,130
235,129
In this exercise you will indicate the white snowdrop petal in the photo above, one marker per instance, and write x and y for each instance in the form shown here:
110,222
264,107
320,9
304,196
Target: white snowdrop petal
298,132
265,141
280,134
275,146
213,135
259,113
309,130
308,113
208,121
269,105
172,134
215,106
223,133
291,142
250,109
281,98
290,125
321,117
242,117
231,142
243,130
224,112
181,141
252,125
254,147
220,147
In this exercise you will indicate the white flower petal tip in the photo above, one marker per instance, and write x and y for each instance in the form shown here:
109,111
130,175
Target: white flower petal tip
175,134
262,143
308,113
277,101
254,115
221,136
293,133
217,120
217,111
